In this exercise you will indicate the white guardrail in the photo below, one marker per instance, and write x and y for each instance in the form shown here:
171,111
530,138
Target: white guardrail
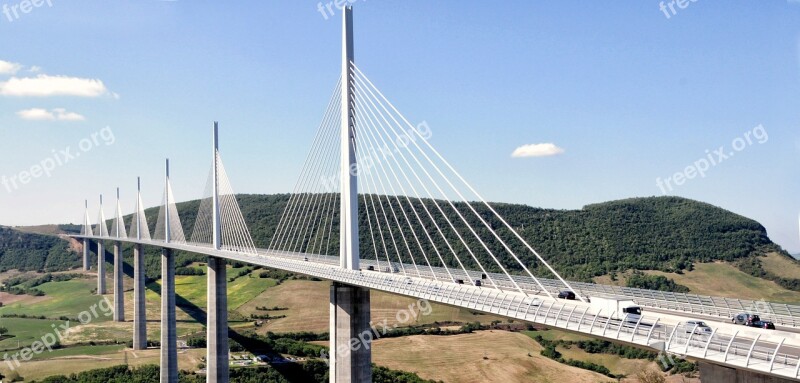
781,314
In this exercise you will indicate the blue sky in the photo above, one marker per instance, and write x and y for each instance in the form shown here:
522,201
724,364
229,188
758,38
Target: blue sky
626,92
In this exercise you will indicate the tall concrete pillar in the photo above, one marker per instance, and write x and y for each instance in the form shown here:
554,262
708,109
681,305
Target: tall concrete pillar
101,268
217,327
86,244
712,373
119,290
139,313
351,335
169,344
348,206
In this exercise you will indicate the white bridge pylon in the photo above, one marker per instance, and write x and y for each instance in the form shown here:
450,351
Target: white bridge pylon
417,213
235,235
415,206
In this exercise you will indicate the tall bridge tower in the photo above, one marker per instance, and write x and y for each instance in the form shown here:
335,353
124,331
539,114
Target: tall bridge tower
350,305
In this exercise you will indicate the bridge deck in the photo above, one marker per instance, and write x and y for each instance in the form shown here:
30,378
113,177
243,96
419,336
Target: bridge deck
774,353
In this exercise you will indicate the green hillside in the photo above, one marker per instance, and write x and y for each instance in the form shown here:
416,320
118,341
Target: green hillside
36,252
656,233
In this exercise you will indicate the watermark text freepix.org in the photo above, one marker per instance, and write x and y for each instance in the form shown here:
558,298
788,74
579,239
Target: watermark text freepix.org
15,11
757,135
383,151
326,9
419,308
668,7
52,340
58,158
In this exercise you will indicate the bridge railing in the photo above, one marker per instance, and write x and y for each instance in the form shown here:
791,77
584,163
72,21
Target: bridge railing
781,314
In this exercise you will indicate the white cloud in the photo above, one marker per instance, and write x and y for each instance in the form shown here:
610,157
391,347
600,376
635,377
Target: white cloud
44,85
9,67
537,150
57,114
35,114
35,69
63,115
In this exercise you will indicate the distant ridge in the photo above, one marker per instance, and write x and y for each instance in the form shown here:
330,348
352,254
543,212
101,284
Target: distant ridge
654,233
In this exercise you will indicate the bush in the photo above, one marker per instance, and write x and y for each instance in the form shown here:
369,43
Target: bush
640,280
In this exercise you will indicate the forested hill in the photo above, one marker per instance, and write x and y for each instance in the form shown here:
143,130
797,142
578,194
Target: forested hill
656,233
30,251
662,233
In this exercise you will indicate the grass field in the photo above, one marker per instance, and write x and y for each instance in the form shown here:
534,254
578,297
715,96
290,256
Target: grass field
617,365
308,303
781,266
725,280
25,331
555,335
80,351
67,364
485,356
722,279
68,298
243,289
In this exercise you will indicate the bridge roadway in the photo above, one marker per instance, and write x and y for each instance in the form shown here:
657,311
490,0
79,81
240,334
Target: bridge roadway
774,353
701,307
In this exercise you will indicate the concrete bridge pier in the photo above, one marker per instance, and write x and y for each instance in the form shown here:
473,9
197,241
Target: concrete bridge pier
101,268
351,335
169,346
139,313
119,291
712,373
86,244
217,326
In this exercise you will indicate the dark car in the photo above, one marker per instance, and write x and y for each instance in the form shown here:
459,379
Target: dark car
745,319
566,294
763,324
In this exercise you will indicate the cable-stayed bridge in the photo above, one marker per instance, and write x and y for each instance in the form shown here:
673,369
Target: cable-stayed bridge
376,206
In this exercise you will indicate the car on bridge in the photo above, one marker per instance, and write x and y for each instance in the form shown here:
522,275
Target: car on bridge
764,324
566,294
746,319
752,320
697,327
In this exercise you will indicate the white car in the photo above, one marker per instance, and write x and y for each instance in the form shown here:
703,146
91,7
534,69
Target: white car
699,327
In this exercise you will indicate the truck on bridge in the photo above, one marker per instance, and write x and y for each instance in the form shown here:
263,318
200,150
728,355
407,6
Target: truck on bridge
620,308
